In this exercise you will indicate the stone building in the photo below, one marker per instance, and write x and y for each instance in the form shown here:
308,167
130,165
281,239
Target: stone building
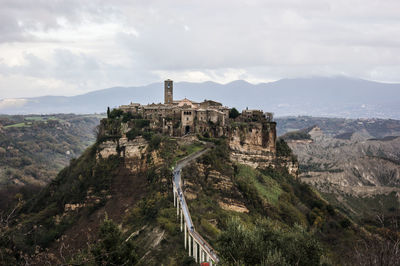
180,117
253,131
251,136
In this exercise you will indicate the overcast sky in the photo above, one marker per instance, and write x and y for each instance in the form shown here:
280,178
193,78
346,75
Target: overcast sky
54,47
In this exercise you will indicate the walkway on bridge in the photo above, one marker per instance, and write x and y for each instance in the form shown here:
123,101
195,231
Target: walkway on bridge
198,248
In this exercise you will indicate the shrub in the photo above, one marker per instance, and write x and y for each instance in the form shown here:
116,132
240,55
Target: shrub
147,135
345,223
132,134
141,123
115,113
330,209
155,142
126,116
189,261
233,113
112,248
297,135
266,243
282,149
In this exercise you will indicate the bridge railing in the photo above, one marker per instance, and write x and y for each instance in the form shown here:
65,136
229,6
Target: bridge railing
199,248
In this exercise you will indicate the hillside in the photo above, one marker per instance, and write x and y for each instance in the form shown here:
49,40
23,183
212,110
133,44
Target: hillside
114,205
33,149
317,96
370,127
355,164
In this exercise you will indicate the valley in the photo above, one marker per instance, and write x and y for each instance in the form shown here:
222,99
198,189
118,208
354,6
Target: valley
353,163
33,149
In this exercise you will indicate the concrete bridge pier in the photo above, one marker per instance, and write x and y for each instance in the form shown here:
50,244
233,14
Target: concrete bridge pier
200,255
190,246
181,220
185,229
196,250
177,208
173,192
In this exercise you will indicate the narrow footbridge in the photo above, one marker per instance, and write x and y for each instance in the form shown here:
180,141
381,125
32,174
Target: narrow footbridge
198,248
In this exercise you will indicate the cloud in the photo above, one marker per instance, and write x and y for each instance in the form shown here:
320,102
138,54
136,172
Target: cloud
12,103
88,45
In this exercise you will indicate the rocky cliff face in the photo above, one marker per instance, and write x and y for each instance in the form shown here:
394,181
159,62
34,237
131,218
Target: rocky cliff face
253,144
133,152
357,165
359,173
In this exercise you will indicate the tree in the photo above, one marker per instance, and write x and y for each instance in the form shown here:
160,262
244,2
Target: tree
115,113
282,149
233,113
108,112
265,244
112,248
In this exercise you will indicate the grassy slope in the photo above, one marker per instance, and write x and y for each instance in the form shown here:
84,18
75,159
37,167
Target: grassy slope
268,194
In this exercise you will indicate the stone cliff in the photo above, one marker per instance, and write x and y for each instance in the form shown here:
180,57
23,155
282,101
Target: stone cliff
254,144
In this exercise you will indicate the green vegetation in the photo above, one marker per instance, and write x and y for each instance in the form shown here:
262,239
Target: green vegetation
249,179
250,216
185,150
23,124
266,244
28,121
40,225
297,135
111,127
112,248
288,222
33,149
88,180
315,167
282,149
115,113
233,113
365,209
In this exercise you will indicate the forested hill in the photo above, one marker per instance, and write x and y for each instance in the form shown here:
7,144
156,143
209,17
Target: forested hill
34,148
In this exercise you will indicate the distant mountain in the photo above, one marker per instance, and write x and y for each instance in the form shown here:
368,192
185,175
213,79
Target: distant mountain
332,97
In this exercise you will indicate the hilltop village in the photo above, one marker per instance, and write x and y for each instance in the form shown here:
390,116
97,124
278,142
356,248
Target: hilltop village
181,117
251,134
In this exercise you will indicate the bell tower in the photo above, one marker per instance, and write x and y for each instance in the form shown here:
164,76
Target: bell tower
168,92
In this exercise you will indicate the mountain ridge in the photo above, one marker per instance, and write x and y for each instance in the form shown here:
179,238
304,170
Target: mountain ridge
317,96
